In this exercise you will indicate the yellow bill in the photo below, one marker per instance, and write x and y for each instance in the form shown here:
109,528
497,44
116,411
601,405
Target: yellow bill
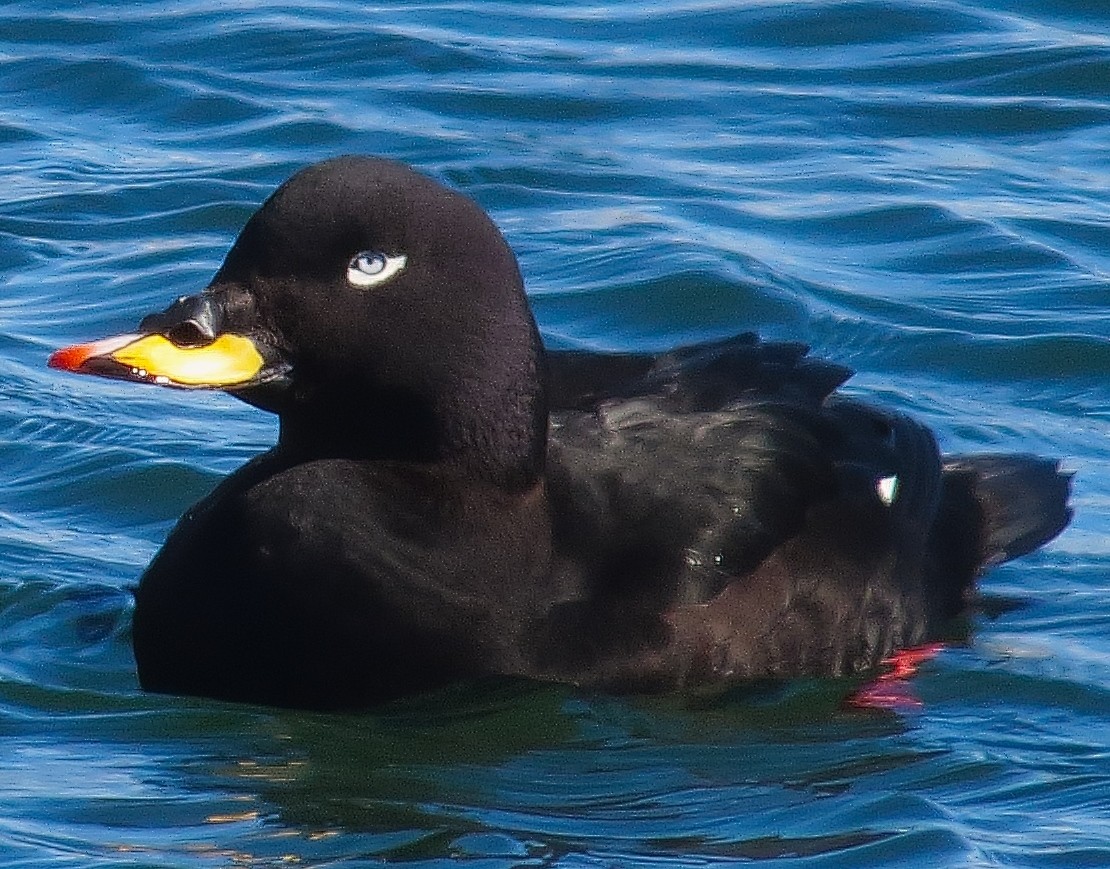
229,360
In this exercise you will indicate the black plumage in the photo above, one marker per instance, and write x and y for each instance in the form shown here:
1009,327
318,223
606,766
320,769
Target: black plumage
447,500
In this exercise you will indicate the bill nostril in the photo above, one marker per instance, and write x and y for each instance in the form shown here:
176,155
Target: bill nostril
191,321
190,333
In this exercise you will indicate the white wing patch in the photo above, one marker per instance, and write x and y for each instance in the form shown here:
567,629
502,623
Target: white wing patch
887,489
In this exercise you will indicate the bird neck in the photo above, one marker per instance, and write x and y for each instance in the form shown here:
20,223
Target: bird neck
487,421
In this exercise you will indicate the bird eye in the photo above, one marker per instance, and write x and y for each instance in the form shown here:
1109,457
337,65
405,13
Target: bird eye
370,267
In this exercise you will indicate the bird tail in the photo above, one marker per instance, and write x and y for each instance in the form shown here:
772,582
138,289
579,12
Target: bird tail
1022,500
992,509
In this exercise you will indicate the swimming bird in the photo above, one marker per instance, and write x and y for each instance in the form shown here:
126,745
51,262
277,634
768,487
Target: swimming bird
449,500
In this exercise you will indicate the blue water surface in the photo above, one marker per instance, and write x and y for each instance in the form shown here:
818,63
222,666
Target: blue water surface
917,188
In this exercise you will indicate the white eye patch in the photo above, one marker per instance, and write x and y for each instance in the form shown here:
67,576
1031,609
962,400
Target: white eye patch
370,268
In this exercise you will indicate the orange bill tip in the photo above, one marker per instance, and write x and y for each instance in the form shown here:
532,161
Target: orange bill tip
74,358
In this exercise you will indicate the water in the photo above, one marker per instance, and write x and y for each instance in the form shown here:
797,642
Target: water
916,188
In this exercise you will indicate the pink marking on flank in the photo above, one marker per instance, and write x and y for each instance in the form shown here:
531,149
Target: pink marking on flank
892,690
